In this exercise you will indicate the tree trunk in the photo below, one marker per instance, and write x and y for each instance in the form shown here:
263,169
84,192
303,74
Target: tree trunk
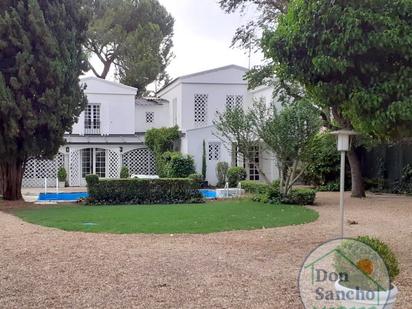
12,176
358,186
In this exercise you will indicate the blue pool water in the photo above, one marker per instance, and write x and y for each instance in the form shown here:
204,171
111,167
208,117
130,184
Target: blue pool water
68,197
208,194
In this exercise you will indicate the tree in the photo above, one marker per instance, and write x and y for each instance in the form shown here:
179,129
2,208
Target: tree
235,129
204,164
41,59
353,58
134,36
288,134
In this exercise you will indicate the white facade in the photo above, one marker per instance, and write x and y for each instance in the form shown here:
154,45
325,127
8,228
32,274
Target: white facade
110,132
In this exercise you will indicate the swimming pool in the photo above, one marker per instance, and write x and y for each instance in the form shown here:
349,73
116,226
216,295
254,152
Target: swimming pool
64,196
208,194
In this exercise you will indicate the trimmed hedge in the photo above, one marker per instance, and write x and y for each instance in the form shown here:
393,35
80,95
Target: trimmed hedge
142,191
255,187
300,197
235,175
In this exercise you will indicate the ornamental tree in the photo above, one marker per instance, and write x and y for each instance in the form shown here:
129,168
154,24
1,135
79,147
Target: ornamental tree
288,134
41,59
353,58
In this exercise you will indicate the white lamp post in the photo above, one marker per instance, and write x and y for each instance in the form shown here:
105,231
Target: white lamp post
343,147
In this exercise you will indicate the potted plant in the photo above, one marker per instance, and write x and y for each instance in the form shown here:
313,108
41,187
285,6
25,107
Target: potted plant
62,176
367,269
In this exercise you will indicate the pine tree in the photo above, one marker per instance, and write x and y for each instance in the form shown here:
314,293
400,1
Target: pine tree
41,59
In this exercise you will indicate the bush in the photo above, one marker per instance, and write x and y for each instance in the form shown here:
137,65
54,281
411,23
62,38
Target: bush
373,252
142,191
330,187
221,173
255,187
197,180
124,172
300,197
176,165
235,175
404,184
91,180
62,174
323,160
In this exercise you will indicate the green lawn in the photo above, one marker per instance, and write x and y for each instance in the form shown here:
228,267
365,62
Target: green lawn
159,219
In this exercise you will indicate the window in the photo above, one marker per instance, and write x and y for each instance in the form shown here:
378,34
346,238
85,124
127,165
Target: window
92,119
214,151
93,161
234,101
149,117
201,109
254,163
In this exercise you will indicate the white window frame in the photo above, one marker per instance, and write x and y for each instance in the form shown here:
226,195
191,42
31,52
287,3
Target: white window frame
214,151
92,119
200,113
234,100
150,117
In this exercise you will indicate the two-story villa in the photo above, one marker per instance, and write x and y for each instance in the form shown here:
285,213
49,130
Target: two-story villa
110,132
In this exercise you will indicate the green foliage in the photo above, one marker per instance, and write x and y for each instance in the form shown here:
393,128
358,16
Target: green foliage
92,180
288,134
133,36
197,180
404,184
323,160
162,140
62,174
176,165
124,172
255,187
329,187
359,67
41,59
143,191
221,173
204,162
235,175
379,263
300,197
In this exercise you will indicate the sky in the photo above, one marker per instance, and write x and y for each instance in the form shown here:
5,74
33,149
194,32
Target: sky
202,37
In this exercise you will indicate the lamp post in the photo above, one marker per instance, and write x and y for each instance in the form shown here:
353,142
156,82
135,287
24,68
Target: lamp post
343,144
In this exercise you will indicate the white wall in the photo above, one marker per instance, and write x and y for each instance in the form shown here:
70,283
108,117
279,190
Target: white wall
173,94
117,107
194,142
161,116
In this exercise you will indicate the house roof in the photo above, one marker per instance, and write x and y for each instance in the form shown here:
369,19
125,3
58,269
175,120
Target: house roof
151,101
188,76
111,83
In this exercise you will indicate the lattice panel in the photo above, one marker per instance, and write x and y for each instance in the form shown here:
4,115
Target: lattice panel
214,151
149,117
140,162
75,178
201,109
37,170
114,165
234,101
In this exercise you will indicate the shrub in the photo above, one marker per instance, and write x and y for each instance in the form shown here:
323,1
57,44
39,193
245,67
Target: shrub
197,180
255,187
235,175
221,173
323,160
176,165
370,249
62,174
300,197
124,172
204,162
404,184
92,180
329,187
142,191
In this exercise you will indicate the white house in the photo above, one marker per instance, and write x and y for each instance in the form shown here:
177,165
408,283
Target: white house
110,132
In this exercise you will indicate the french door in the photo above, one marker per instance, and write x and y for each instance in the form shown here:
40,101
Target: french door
93,161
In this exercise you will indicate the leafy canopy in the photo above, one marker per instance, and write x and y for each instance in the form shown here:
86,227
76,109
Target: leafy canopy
134,36
352,56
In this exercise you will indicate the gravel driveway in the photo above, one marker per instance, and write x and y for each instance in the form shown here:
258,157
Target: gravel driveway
43,267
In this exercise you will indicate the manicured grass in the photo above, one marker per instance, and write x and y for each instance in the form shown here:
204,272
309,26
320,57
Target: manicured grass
194,218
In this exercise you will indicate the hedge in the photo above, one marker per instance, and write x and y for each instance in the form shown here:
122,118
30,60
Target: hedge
142,191
255,187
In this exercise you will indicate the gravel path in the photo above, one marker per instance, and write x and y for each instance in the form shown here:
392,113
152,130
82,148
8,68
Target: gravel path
43,267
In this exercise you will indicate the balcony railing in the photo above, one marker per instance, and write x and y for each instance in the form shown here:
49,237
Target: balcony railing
92,128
